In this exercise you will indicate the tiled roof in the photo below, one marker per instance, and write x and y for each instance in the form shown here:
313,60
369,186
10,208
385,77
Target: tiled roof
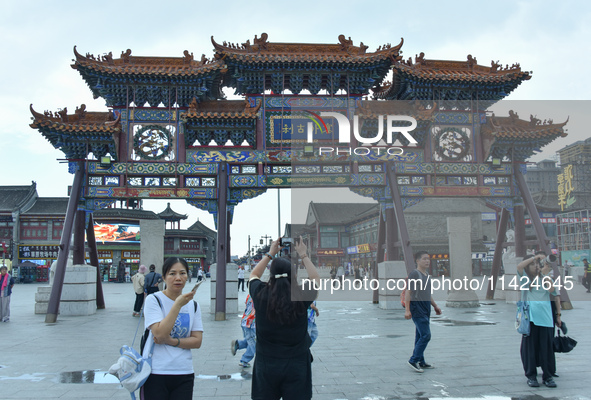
198,226
461,71
13,197
49,206
263,51
341,213
169,215
512,127
151,66
80,122
456,73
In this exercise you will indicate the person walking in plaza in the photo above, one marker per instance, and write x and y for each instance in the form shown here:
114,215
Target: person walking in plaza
536,348
152,280
241,277
138,287
249,335
6,284
175,322
587,276
283,363
418,302
200,274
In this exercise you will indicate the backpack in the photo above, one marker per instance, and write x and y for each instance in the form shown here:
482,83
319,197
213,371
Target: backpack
132,369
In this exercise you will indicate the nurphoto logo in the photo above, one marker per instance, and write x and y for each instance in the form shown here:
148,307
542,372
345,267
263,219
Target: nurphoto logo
344,126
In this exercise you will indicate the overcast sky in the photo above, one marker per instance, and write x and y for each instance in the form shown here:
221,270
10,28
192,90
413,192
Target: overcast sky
549,38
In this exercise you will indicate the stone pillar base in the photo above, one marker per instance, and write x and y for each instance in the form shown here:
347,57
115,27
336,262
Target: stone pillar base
231,290
391,271
462,299
78,293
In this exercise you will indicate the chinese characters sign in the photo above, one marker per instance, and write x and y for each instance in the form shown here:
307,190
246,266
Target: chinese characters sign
37,252
565,188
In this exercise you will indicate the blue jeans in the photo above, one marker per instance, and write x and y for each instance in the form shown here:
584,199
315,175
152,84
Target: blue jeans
249,343
422,337
312,331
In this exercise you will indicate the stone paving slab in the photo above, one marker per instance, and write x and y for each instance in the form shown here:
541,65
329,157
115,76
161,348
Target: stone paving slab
361,352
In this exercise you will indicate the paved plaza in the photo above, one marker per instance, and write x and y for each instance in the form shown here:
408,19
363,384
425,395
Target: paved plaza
361,352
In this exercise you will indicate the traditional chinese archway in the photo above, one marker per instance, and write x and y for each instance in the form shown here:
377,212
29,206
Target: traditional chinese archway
169,132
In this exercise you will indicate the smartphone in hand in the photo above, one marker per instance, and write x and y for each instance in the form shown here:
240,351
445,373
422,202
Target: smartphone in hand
197,285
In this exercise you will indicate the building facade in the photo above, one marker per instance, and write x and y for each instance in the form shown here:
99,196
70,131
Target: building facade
31,229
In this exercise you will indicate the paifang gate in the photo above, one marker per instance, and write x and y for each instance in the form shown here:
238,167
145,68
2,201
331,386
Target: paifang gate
169,132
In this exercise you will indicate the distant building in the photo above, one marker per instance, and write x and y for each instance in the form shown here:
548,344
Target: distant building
575,164
542,177
31,230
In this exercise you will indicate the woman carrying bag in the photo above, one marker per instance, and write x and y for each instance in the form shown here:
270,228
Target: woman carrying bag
175,322
282,367
536,348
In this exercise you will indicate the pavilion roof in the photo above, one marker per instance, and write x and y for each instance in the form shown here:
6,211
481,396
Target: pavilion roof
453,74
261,51
128,65
80,133
506,136
170,215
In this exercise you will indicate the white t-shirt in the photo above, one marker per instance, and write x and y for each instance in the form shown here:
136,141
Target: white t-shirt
240,273
169,360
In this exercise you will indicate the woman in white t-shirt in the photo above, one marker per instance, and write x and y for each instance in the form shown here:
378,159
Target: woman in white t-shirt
175,322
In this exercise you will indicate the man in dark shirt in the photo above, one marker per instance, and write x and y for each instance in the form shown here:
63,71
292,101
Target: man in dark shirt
152,280
418,304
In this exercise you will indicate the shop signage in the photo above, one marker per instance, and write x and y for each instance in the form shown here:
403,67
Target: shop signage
38,251
335,252
352,250
102,254
130,254
363,248
439,256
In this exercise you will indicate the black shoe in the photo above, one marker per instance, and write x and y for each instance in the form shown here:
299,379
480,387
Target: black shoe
533,383
555,375
424,365
550,383
415,366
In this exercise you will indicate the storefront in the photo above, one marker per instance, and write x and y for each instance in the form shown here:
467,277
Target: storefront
330,257
35,262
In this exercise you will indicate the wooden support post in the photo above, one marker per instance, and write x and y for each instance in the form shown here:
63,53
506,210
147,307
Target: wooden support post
520,245
399,212
222,237
78,256
64,249
540,233
94,261
380,254
497,258
392,251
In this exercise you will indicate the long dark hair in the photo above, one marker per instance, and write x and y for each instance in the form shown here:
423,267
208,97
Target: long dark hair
282,293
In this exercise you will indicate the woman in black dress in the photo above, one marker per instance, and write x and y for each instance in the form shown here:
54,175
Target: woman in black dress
282,367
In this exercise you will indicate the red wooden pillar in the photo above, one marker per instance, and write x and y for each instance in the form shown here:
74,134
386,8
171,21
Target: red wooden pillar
222,237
